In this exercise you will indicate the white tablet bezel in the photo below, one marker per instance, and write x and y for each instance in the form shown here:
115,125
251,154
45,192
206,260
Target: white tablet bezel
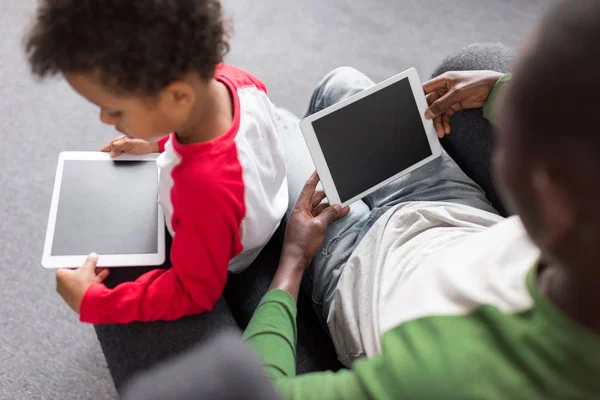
105,260
306,125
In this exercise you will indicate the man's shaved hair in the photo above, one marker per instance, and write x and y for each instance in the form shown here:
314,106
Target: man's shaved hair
555,92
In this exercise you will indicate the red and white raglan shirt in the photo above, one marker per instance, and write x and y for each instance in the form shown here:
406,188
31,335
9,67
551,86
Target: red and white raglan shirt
222,199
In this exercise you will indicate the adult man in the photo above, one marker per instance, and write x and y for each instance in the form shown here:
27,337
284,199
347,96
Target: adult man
445,297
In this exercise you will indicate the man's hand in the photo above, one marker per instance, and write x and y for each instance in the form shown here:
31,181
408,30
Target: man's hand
72,284
308,222
455,91
124,144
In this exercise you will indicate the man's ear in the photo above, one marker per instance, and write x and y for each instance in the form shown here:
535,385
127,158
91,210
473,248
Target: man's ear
556,208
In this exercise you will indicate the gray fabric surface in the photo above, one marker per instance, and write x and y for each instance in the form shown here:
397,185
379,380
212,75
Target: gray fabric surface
45,353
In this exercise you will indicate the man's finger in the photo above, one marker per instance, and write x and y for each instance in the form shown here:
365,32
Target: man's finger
308,190
435,83
319,209
344,212
317,198
432,97
439,126
446,122
442,104
330,214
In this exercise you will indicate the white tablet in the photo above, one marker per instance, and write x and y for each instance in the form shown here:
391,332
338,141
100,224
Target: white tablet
372,138
105,206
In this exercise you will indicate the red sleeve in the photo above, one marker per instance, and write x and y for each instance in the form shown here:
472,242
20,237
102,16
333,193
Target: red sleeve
203,245
163,142
239,78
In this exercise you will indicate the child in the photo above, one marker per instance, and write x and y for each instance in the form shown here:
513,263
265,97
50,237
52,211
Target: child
154,67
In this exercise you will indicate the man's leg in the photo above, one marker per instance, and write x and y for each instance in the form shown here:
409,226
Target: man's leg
443,179
440,180
343,235
338,85
134,347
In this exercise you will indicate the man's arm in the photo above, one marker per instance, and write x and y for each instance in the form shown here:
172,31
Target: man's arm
489,108
272,330
272,334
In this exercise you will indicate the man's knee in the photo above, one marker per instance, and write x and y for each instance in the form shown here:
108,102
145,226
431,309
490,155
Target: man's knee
342,76
478,56
339,84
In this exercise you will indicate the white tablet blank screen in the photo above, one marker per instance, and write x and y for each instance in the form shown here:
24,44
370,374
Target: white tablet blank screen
372,139
107,207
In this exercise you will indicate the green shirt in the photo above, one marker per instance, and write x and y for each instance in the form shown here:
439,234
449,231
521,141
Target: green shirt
535,354
491,351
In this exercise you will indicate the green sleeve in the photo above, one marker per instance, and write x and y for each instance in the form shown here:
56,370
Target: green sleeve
272,334
488,109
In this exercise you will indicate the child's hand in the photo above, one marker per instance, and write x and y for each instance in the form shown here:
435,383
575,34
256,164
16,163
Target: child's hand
71,284
124,144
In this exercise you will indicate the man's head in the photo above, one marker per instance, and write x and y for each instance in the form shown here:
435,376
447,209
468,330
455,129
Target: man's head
144,63
548,157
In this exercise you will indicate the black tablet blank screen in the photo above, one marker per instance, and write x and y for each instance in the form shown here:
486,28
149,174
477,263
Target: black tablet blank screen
107,207
372,139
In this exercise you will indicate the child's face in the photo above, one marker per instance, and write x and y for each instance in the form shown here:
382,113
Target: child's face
147,118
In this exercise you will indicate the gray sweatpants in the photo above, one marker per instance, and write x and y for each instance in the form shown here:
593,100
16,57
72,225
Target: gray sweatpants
439,180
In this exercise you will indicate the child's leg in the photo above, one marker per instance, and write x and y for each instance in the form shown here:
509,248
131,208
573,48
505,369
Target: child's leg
343,235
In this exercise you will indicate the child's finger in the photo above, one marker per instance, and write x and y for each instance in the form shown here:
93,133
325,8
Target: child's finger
102,274
90,263
62,274
107,147
118,147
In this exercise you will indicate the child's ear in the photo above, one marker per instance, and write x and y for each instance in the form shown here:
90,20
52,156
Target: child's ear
180,94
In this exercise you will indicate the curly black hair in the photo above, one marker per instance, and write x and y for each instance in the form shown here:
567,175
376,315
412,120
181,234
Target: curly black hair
132,45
